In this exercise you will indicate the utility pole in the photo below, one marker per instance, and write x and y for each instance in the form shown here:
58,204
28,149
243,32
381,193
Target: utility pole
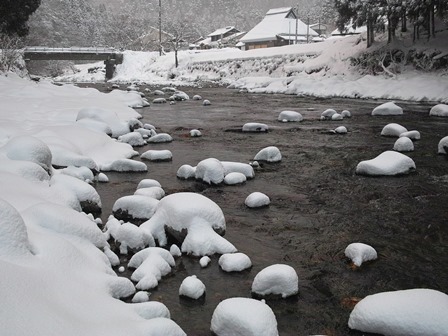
297,25
160,27
308,31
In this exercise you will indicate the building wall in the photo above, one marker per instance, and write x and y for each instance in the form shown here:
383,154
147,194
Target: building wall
265,44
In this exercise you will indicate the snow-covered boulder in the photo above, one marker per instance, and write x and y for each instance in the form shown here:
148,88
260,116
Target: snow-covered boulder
179,96
411,312
158,93
234,178
133,139
439,110
192,287
186,172
153,192
124,165
340,130
197,97
140,297
175,251
346,114
269,154
157,155
234,262
337,116
389,108
159,100
81,173
152,309
204,261
327,114
288,116
193,219
210,171
359,253
134,207
150,264
95,125
413,135
13,233
255,127
257,200
161,137
243,317
111,119
238,167
404,144
442,147
147,183
194,133
206,102
161,326
278,279
145,133
387,163
393,130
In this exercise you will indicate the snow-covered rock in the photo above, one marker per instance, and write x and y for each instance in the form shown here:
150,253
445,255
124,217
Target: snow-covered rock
179,96
195,133
192,287
404,144
389,108
288,116
341,130
133,139
206,102
82,173
153,192
197,97
243,317
161,326
199,217
175,250
150,264
269,154
337,116
161,137
159,101
157,155
158,93
95,125
140,296
442,147
255,127
328,113
278,279
439,110
411,312
413,135
346,114
186,172
152,309
257,200
210,171
147,183
234,262
146,133
204,261
387,163
235,178
238,167
393,130
134,206
124,165
107,117
359,253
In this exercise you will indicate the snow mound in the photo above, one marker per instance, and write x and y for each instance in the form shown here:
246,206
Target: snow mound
341,130
175,251
289,116
387,163
186,172
28,170
269,154
439,110
389,108
147,183
66,221
13,233
107,117
206,102
124,165
197,97
140,297
160,326
238,167
179,96
359,253
152,309
159,101
192,287
204,261
157,155
442,147
153,192
194,215
337,116
327,114
234,178
412,312
158,93
234,262
134,206
257,200
413,135
81,173
133,139
146,133
28,148
404,144
131,98
210,171
243,317
194,133
346,114
393,130
255,127
161,137
95,125
150,264
278,279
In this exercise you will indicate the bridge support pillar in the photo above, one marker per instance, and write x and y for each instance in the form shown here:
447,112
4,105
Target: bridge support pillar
110,68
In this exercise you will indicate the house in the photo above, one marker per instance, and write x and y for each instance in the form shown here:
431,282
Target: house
223,37
279,27
319,28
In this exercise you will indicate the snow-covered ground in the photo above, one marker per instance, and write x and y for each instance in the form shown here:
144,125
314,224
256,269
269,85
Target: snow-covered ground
318,69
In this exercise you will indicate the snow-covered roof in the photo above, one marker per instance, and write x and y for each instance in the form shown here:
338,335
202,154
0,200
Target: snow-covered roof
349,30
276,22
221,31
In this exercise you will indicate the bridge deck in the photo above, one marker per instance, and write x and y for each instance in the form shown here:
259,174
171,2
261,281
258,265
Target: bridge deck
73,53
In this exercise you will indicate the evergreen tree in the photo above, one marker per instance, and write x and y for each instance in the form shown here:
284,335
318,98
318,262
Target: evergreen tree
14,15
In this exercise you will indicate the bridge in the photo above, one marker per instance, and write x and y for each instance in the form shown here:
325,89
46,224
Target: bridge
110,56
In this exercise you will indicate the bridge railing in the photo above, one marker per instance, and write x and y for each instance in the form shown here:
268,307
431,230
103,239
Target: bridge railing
87,50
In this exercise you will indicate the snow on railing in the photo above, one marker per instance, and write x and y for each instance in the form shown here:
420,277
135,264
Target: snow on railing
87,50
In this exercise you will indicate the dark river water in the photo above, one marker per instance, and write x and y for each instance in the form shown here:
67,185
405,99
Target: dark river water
318,206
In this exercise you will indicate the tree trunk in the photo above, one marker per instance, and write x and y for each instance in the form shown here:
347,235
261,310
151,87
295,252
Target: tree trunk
404,27
175,57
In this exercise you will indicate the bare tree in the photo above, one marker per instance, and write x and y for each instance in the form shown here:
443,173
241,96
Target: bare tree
10,52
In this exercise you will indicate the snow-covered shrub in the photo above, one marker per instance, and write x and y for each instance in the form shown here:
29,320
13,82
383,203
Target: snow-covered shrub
278,279
359,253
387,163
